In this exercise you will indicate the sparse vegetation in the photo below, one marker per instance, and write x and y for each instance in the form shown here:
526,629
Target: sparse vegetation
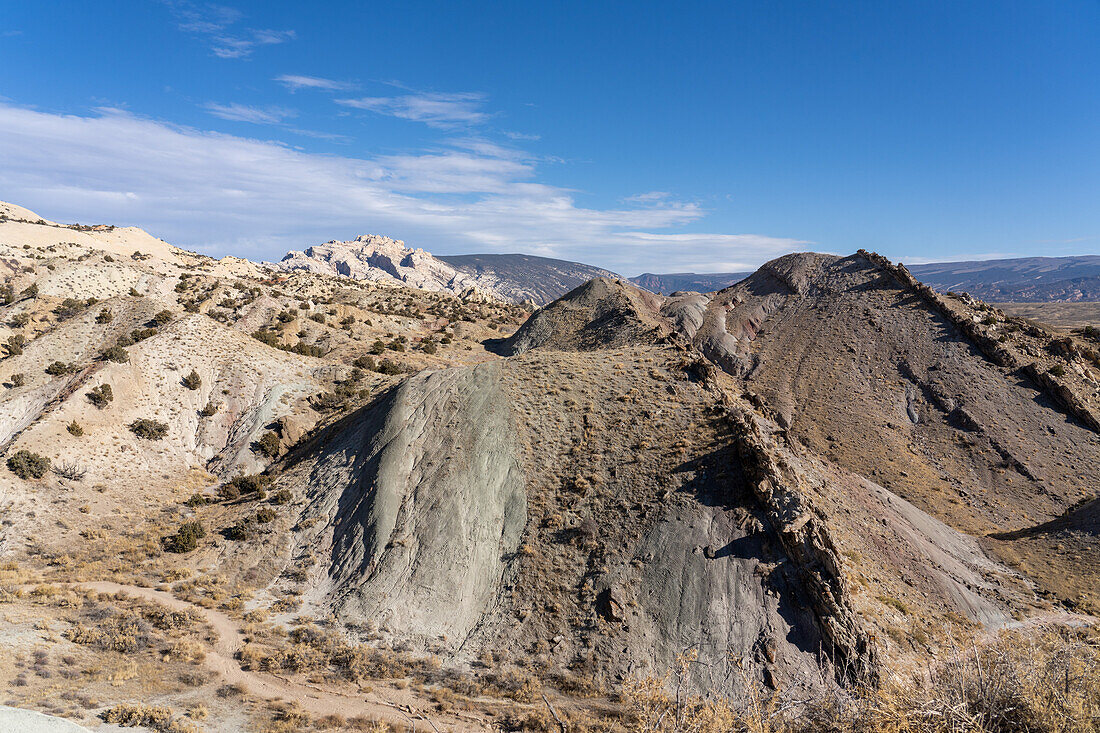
75,429
27,465
268,445
101,396
186,538
116,354
59,368
17,379
148,429
192,381
162,318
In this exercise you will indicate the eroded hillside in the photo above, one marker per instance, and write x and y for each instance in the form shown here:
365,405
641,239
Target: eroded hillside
313,502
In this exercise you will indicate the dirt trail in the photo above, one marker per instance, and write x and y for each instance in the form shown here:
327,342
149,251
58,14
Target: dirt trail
384,702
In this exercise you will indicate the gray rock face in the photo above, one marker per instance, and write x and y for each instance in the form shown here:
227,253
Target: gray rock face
424,501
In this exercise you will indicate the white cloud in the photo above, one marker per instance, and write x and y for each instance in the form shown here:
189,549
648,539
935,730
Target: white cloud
215,23
224,194
244,113
296,82
433,108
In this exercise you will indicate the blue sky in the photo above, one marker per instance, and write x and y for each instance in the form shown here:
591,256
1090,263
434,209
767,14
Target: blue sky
639,136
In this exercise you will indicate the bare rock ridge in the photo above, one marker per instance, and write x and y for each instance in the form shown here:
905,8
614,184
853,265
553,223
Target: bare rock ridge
510,278
729,472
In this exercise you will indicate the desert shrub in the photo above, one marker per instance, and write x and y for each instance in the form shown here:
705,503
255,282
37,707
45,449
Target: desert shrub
105,316
20,319
268,444
389,367
116,354
209,410
327,401
27,465
148,429
250,484
396,345
307,349
229,492
241,531
378,347
69,308
162,318
70,470
14,345
31,291
186,538
17,379
192,381
280,497
158,719
428,346
75,429
364,362
1058,370
59,368
318,317
268,337
197,500
7,294
140,334
265,515
101,396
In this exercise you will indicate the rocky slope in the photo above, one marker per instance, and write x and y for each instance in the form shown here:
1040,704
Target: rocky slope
818,479
797,473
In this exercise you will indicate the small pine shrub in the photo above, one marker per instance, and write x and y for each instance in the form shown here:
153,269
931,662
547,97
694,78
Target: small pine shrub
265,515
268,444
116,354
105,316
75,429
192,381
197,500
147,429
1058,370
101,396
14,345
280,497
378,347
186,537
209,410
162,318
58,368
389,367
18,380
27,465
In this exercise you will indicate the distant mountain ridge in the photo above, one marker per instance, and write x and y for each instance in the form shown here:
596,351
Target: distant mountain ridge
520,278
1020,280
515,278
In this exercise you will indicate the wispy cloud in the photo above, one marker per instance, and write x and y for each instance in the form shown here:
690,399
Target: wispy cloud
217,24
521,135
433,108
296,82
259,198
244,113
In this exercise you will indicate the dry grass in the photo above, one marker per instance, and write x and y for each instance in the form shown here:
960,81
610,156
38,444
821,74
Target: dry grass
1039,680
